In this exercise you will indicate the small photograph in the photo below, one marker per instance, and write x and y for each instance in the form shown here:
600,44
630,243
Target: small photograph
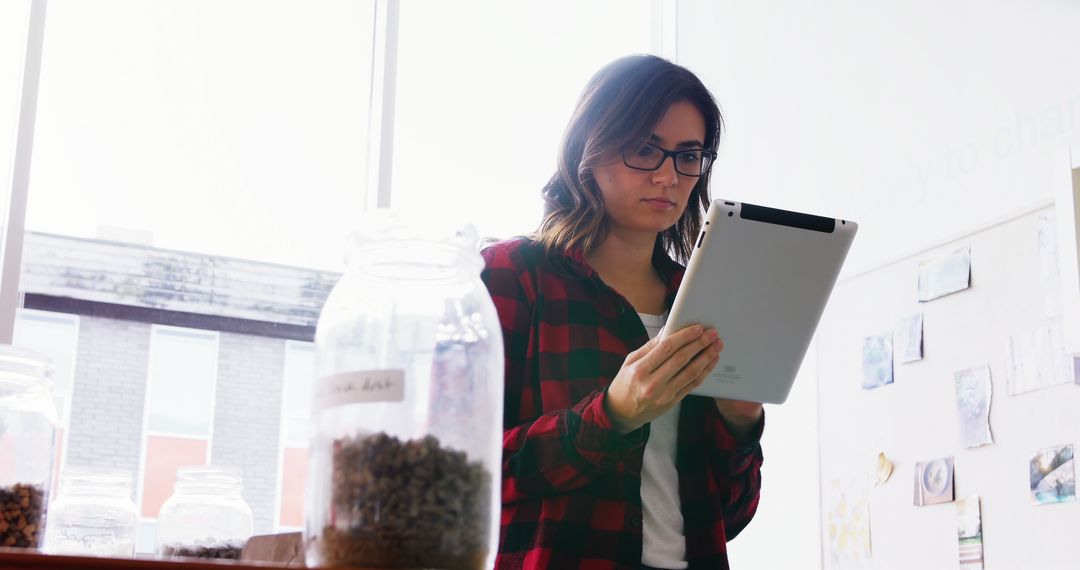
909,346
969,530
877,361
1036,360
1052,476
934,482
945,274
847,521
973,396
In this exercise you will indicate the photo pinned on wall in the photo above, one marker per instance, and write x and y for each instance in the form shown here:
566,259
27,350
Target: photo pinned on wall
945,274
974,394
1036,360
1053,479
969,531
1049,273
877,361
934,482
909,339
848,524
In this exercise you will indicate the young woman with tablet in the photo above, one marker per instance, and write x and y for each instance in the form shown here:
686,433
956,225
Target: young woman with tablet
606,462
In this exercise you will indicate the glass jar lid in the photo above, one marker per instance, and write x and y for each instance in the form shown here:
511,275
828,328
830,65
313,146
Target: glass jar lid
208,479
106,481
390,245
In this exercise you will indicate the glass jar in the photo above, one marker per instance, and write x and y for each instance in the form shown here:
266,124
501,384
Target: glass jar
28,422
205,517
406,437
93,514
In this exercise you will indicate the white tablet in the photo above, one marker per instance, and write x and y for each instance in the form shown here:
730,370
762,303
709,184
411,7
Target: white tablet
761,277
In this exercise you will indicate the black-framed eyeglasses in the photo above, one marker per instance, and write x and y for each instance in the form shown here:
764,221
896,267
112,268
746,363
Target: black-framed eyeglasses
688,162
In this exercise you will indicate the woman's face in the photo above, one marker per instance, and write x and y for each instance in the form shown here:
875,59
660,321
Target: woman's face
649,202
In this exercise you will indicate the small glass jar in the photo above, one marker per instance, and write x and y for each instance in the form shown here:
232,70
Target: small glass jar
28,422
205,517
406,437
93,514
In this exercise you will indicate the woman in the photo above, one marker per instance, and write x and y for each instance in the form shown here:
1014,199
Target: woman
606,462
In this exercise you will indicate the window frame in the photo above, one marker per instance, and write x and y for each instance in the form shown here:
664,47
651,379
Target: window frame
14,216
145,432
74,321
283,440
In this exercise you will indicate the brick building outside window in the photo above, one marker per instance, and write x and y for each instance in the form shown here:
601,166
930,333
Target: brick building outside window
166,358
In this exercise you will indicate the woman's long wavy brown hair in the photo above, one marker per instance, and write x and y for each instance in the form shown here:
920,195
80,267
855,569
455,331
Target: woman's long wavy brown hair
619,108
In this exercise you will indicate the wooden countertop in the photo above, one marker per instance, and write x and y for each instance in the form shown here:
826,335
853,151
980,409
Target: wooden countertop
15,559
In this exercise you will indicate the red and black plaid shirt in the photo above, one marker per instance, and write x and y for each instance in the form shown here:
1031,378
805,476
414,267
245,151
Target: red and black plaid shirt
571,486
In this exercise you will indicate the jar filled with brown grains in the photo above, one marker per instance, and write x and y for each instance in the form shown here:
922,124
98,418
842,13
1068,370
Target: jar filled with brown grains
28,422
206,516
406,433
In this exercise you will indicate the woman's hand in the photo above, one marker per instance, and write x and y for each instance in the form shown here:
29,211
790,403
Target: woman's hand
740,417
657,376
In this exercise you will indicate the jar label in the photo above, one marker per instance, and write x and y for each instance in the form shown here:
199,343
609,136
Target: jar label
361,386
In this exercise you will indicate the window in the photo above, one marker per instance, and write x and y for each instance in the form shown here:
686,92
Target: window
245,117
295,415
177,138
179,413
481,103
56,336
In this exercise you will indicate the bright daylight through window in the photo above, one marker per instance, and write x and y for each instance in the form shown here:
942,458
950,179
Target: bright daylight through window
197,167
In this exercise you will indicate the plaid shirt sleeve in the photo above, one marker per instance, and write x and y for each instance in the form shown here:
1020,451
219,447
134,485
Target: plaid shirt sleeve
720,482
560,450
737,468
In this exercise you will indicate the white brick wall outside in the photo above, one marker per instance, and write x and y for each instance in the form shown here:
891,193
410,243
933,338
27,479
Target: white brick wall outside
247,417
108,393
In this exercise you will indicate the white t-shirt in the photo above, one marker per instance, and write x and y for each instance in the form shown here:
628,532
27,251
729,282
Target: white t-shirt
664,545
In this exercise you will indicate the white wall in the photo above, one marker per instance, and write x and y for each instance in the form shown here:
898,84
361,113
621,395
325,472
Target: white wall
944,113
920,120
916,419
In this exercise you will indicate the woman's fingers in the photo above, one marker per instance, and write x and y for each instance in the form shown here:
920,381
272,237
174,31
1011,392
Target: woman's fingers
684,355
661,373
698,368
697,380
664,349
641,352
685,391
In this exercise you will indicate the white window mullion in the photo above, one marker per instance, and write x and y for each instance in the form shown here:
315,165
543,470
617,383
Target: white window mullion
665,29
15,215
380,146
